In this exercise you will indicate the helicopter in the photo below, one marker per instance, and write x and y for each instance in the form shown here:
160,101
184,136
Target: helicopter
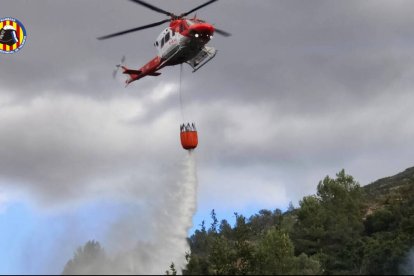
183,41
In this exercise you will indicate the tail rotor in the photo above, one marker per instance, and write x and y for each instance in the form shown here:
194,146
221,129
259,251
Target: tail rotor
118,66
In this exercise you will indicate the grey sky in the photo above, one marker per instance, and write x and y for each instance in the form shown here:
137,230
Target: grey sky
301,90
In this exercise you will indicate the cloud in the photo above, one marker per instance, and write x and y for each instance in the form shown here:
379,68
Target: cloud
65,146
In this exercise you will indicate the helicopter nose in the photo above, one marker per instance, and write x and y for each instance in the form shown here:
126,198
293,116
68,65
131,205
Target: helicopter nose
202,29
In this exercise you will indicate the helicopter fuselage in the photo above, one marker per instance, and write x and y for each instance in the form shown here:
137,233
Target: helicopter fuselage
181,42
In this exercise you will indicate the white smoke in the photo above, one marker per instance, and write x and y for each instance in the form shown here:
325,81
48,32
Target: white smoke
169,223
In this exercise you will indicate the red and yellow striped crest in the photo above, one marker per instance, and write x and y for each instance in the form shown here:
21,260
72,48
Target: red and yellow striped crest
12,35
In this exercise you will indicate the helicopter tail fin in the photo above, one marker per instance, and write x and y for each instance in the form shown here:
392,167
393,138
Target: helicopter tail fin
133,74
131,71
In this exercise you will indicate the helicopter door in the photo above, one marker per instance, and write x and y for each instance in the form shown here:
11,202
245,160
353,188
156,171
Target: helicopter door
170,46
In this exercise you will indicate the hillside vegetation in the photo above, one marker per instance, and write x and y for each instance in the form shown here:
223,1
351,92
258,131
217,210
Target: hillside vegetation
342,229
392,189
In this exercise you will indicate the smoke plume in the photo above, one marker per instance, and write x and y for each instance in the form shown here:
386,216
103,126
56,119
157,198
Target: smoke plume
169,224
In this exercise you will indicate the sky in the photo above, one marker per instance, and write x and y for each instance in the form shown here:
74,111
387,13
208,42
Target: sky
301,90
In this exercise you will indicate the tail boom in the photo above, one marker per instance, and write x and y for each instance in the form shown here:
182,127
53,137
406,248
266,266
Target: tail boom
148,69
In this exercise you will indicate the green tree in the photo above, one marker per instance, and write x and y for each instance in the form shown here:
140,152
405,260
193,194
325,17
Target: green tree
383,254
381,220
242,246
225,229
309,228
389,239
222,257
89,259
213,227
265,220
307,265
275,254
196,265
330,224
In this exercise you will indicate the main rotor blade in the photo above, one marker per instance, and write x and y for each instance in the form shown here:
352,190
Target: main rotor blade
199,7
221,32
134,29
154,8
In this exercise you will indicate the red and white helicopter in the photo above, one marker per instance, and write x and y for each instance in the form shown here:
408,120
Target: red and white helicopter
184,41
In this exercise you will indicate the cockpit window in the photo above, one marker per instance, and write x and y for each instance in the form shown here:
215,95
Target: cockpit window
167,37
162,42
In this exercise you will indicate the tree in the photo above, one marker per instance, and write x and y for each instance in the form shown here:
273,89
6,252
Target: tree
309,228
225,229
330,224
265,220
379,221
213,227
222,257
275,253
89,259
383,254
389,238
242,246
307,265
